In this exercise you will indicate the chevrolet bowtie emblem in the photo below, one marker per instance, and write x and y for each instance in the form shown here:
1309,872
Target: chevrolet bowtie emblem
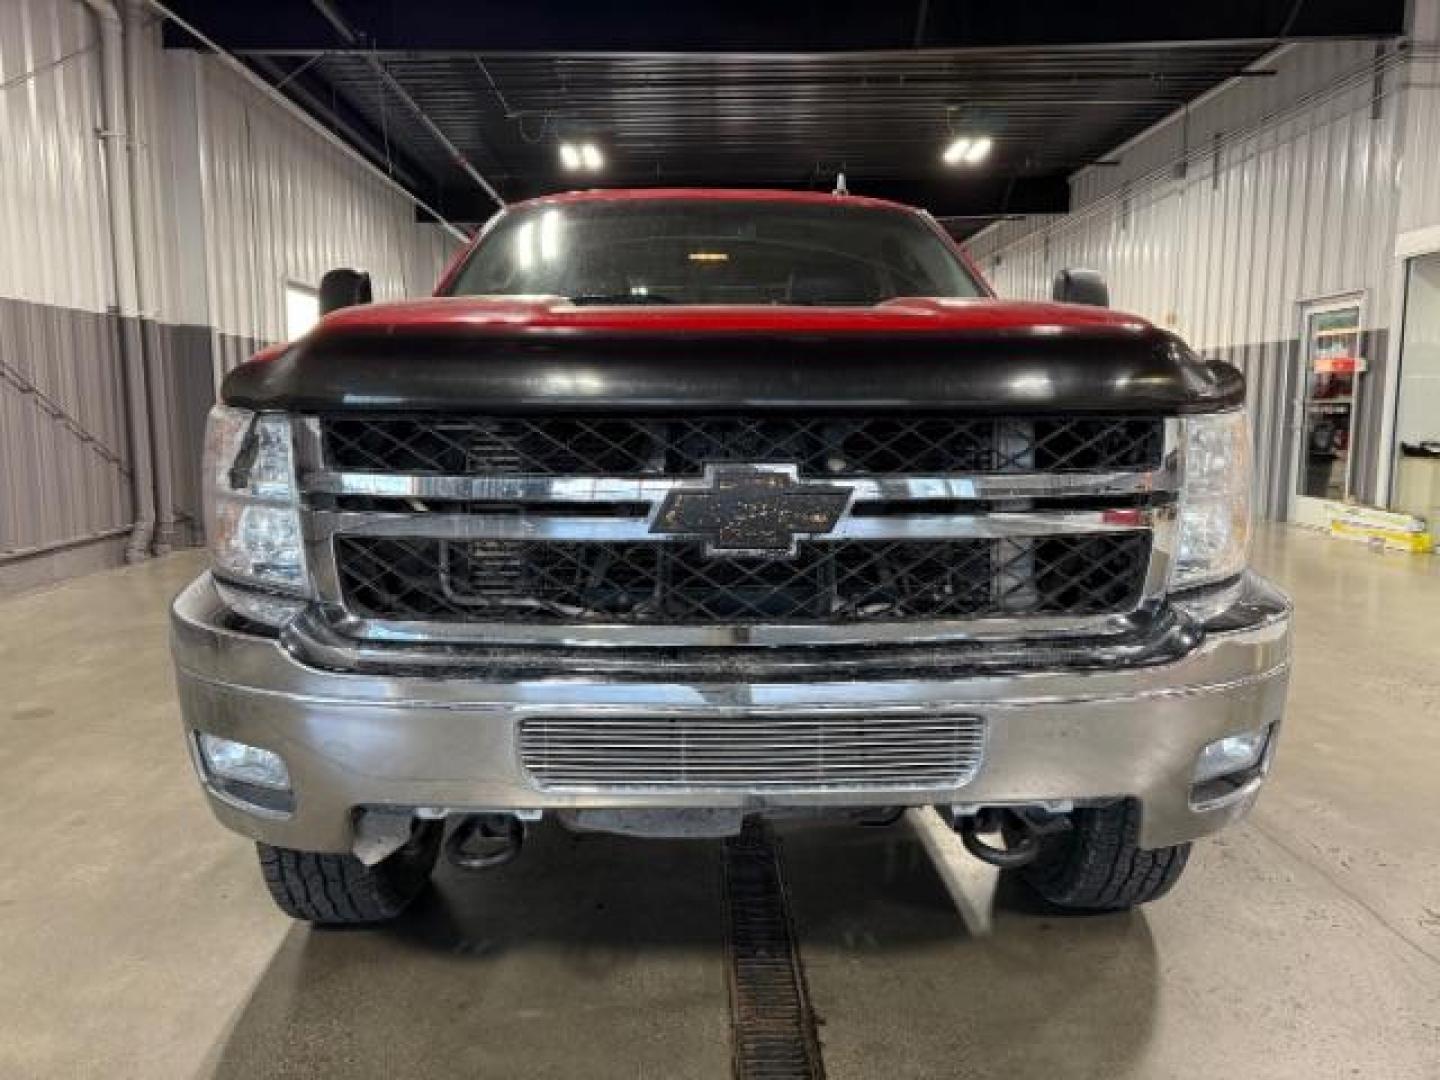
751,509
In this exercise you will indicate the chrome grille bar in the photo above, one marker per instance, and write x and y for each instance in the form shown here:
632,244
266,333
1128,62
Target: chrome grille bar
789,752
539,526
580,489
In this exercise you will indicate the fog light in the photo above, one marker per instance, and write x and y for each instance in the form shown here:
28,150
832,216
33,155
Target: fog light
1232,754
231,760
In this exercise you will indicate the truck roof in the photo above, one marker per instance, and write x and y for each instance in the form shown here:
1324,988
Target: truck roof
715,194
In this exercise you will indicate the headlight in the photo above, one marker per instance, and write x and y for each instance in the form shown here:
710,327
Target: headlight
1215,502
252,518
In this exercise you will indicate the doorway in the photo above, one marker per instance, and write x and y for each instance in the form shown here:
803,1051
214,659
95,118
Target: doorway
1331,366
1416,487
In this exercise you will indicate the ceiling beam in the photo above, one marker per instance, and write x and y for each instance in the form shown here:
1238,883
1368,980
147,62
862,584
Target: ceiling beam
762,26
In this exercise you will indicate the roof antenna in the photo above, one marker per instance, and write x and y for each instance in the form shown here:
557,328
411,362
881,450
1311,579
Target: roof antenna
840,188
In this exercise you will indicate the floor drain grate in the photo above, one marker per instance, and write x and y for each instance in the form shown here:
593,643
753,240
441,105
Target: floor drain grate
773,1024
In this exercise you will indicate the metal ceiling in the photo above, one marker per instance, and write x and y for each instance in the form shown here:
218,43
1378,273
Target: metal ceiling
760,119
434,102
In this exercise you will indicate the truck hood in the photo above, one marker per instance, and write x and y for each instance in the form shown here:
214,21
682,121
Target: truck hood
529,354
511,314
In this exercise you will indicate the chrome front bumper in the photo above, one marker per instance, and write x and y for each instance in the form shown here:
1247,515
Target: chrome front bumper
433,740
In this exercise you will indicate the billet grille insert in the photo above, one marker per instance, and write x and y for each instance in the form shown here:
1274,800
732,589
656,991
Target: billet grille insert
846,581
795,751
683,446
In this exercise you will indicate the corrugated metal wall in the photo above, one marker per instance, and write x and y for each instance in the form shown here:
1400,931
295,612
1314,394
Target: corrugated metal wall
1420,208
51,172
1420,190
64,470
1298,199
234,196
281,205
1218,223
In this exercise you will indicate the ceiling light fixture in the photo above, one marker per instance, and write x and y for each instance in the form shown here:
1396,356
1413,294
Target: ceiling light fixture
586,155
955,152
967,150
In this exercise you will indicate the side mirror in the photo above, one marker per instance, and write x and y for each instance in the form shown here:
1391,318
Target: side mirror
1077,286
344,288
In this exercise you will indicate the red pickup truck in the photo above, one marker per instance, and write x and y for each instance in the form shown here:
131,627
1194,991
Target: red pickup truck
673,508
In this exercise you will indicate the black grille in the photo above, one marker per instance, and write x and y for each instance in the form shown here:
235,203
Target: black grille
842,581
820,446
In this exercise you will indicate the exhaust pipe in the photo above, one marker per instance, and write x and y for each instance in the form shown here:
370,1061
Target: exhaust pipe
1023,828
484,841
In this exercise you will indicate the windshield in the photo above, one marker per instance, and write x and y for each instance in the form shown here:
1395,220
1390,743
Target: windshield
707,251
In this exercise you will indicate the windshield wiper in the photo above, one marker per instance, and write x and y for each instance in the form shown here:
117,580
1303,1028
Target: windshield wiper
620,298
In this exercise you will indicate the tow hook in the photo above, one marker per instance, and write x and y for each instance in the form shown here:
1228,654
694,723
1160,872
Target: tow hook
484,841
1023,827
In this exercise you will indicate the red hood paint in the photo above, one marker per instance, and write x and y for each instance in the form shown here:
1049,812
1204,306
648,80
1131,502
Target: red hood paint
520,315
272,352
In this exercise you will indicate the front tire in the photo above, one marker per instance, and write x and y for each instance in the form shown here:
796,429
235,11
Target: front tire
334,889
1098,864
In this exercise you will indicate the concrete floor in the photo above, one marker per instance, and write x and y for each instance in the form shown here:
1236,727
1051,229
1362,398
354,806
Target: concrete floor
137,941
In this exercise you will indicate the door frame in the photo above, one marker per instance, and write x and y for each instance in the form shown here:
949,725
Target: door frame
1410,245
1298,508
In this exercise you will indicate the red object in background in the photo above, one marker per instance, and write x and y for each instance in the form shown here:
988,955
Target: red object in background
1339,365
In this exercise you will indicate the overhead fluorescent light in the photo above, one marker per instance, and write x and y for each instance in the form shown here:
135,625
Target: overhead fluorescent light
585,155
979,150
956,151
967,150
708,256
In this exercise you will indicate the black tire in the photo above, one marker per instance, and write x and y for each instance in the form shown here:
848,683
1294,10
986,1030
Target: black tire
331,889
1098,864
